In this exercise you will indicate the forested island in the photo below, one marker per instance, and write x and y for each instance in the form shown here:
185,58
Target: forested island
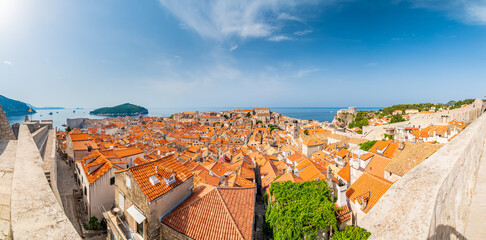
126,109
14,107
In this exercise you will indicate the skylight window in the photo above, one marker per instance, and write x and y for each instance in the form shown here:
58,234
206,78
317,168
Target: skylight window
153,180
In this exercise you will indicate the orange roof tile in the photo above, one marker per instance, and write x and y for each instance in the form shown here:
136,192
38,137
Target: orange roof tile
344,173
165,167
215,213
368,187
377,166
289,177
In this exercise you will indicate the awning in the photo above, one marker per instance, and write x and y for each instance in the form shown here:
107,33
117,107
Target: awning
136,214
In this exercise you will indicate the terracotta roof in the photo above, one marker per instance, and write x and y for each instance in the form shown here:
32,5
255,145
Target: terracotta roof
203,173
313,142
356,140
165,167
237,181
83,145
344,173
246,173
215,213
391,150
217,168
140,161
368,187
96,172
343,213
289,177
313,172
79,137
412,155
377,166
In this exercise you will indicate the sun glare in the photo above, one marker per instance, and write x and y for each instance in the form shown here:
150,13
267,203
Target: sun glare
8,13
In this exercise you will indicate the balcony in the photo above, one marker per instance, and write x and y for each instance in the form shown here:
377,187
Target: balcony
117,227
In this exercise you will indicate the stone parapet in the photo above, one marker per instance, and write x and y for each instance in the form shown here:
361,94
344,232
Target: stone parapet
35,212
432,200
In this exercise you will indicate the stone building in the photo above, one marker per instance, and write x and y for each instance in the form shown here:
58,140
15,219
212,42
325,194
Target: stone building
146,193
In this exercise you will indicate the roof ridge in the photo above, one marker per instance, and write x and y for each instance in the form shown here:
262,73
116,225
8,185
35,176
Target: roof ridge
229,213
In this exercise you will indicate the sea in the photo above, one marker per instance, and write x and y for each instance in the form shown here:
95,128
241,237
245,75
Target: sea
59,116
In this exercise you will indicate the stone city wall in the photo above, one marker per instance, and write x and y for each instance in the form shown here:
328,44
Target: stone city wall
467,115
432,200
35,212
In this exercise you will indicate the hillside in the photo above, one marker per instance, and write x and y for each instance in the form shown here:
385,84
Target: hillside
120,110
14,107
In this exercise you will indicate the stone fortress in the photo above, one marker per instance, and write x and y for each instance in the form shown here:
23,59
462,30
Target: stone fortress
30,206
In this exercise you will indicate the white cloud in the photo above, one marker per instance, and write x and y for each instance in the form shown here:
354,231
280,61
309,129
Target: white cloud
372,64
396,39
286,16
233,48
302,33
304,72
477,13
222,19
7,62
278,38
470,11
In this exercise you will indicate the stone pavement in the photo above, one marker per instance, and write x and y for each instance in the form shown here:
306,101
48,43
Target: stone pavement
476,221
66,184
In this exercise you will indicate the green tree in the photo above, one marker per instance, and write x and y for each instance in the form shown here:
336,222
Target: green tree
397,118
351,233
367,145
360,120
306,132
93,223
68,129
299,210
248,115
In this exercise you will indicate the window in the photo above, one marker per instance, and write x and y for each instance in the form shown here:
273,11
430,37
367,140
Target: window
121,201
129,182
153,180
85,192
140,228
112,180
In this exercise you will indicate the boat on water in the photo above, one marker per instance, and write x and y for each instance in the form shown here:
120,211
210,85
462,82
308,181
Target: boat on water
74,111
50,113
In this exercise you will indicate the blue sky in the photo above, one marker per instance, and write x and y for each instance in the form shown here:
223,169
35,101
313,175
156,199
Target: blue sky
180,53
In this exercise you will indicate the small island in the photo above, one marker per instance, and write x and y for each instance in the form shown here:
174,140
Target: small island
126,109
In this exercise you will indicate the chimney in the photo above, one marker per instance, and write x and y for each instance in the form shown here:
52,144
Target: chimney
156,169
225,180
158,152
341,191
401,145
